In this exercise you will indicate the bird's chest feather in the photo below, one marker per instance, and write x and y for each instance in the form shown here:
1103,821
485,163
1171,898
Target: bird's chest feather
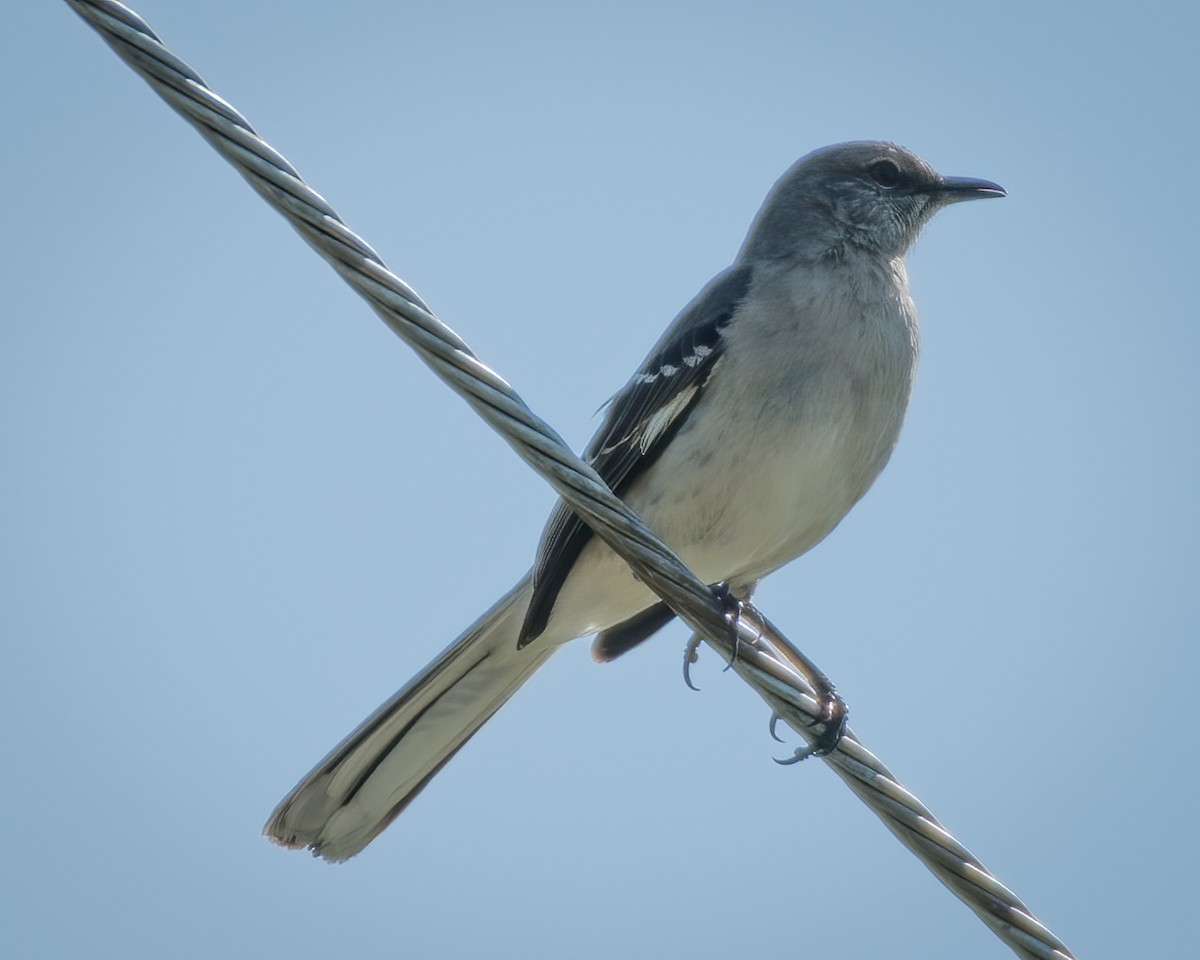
801,419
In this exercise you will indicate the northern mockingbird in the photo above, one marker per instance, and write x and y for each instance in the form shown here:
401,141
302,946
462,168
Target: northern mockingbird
758,420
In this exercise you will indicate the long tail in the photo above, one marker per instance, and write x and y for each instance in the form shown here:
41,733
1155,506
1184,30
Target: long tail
372,775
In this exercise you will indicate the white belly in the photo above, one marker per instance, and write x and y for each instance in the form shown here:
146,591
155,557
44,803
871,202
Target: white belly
803,482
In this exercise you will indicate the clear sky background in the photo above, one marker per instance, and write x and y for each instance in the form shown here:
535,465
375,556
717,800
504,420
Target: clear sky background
236,512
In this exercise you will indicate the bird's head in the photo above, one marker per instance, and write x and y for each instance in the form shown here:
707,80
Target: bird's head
869,195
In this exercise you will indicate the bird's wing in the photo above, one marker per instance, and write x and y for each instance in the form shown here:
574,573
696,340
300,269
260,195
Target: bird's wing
640,421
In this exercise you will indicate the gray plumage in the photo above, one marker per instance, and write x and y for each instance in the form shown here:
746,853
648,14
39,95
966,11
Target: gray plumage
758,420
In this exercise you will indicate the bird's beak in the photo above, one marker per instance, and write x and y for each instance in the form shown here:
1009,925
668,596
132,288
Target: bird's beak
955,189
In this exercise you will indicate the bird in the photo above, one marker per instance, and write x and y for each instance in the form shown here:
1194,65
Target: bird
759,418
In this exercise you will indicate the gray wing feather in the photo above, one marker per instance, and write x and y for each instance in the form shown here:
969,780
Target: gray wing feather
639,423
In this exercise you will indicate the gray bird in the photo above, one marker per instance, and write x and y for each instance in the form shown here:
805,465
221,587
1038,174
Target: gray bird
758,420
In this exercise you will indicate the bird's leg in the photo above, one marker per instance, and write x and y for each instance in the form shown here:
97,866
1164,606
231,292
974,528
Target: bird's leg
751,628
834,714
761,634
733,610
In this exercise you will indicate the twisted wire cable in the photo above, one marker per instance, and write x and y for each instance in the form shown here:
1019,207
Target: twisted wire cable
781,675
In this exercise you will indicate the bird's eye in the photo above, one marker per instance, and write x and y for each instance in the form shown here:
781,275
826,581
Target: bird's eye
884,172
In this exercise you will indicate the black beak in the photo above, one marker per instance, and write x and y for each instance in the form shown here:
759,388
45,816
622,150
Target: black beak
955,189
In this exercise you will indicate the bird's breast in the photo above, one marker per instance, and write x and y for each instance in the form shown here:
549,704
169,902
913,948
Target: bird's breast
801,414
797,424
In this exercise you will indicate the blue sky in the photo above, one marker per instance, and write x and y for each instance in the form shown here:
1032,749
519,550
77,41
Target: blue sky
236,513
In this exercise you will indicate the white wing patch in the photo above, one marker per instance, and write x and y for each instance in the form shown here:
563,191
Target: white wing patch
696,357
654,427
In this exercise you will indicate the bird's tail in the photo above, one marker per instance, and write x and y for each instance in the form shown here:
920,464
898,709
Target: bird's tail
372,775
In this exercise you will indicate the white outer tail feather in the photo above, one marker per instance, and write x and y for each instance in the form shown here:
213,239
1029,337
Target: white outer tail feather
372,775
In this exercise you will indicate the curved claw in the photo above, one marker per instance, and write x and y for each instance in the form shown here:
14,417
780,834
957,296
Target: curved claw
826,743
775,718
691,653
802,753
